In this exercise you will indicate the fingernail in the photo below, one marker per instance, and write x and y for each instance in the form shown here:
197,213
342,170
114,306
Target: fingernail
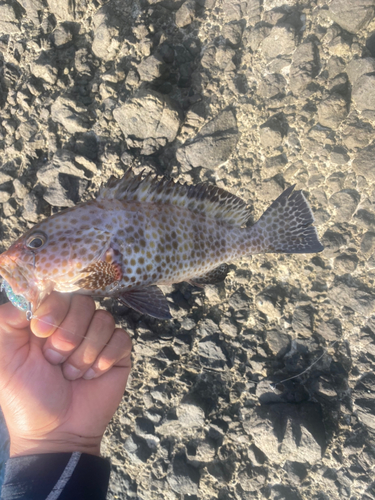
71,372
45,326
54,357
89,374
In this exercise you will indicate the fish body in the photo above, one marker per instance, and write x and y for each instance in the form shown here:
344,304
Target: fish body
142,232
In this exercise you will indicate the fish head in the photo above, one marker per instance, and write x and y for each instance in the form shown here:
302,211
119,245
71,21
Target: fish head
51,256
18,269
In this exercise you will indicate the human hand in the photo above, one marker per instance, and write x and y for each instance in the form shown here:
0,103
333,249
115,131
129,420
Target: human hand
58,390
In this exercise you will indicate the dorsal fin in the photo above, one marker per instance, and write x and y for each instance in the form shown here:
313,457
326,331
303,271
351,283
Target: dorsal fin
200,198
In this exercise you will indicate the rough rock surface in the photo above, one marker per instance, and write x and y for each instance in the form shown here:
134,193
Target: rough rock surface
262,386
148,121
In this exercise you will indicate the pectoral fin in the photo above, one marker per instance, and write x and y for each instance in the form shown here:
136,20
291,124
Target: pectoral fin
212,277
150,300
99,275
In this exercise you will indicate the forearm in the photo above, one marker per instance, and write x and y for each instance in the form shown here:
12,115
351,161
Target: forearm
62,476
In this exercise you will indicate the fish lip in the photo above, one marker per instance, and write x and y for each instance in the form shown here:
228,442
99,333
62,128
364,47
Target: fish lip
10,270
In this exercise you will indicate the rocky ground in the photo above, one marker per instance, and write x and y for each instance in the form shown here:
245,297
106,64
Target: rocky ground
252,95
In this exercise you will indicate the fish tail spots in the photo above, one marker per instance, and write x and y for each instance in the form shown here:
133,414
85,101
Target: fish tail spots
286,227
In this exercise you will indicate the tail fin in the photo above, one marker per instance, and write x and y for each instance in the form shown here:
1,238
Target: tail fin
285,227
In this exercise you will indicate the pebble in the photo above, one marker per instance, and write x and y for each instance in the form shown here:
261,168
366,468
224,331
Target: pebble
45,68
304,66
232,32
280,42
182,477
186,13
332,111
212,354
272,86
152,68
363,96
64,10
363,164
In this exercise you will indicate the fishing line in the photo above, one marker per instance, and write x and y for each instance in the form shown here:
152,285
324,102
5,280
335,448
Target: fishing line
273,385
33,316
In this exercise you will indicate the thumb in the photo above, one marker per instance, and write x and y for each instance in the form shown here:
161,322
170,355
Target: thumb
14,330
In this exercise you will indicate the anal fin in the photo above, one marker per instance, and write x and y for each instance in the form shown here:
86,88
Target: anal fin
212,277
149,300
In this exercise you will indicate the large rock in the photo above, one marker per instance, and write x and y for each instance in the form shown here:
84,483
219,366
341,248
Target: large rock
353,294
352,15
149,121
364,400
345,202
65,180
213,145
110,24
8,20
359,67
33,8
190,418
287,432
70,114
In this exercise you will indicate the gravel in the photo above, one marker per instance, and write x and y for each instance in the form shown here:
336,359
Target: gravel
261,386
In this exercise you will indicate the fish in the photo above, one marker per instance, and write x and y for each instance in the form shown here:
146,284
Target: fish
143,231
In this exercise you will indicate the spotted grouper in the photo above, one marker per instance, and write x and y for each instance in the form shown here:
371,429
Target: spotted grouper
143,231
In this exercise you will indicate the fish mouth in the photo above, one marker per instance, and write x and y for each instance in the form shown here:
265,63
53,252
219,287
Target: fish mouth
20,279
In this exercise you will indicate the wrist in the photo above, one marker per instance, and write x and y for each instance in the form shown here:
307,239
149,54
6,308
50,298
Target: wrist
64,443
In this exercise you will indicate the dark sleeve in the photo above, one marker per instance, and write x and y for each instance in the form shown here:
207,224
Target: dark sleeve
56,476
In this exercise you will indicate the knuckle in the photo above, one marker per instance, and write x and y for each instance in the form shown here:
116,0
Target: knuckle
84,301
82,359
105,319
124,338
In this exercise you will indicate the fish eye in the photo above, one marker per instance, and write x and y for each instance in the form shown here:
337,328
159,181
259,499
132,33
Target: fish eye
36,240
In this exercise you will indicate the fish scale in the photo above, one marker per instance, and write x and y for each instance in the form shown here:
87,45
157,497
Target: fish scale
142,232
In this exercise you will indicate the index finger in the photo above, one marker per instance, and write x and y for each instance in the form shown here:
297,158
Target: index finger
50,314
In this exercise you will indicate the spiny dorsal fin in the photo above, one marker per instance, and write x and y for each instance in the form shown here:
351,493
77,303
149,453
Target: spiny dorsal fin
200,198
